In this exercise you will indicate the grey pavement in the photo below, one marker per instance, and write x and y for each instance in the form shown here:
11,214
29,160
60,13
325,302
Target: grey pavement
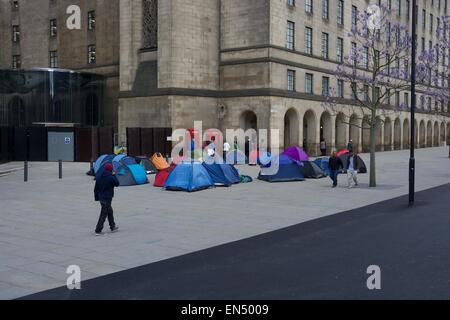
46,224
326,258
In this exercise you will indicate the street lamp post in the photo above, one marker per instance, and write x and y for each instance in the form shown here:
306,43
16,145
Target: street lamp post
412,160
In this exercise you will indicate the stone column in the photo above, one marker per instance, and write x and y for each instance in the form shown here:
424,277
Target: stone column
333,145
300,130
391,147
130,41
317,142
360,136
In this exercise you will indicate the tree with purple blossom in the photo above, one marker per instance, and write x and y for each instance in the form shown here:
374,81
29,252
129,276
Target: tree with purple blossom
434,66
378,67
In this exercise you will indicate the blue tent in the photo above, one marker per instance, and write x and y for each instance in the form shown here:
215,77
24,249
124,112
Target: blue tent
116,161
222,174
264,158
231,173
215,159
189,176
324,164
236,157
128,172
99,164
288,170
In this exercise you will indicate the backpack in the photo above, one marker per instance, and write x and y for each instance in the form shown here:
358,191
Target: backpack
246,179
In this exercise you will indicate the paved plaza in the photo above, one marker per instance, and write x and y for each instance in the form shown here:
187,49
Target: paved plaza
46,224
324,259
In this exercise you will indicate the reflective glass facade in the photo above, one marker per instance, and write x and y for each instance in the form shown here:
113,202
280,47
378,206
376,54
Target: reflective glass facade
36,96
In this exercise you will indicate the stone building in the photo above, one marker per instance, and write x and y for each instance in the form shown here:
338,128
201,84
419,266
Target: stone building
229,63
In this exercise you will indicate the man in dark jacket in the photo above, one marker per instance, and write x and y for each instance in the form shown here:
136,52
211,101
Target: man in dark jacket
335,164
104,192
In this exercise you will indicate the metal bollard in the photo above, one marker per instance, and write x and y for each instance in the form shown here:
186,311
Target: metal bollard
25,171
60,169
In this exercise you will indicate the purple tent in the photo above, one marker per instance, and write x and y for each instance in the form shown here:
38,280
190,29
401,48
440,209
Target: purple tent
296,153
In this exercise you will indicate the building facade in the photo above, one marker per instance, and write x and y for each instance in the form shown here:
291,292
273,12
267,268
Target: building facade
258,64
34,34
250,64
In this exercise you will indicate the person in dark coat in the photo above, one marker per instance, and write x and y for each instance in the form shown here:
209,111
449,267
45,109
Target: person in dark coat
335,164
350,146
104,193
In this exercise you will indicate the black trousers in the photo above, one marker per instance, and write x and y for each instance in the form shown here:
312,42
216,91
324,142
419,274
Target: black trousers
106,212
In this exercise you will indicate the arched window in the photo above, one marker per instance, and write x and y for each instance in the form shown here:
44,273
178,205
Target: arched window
149,24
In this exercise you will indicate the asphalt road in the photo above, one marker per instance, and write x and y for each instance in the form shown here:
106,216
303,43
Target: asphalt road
321,259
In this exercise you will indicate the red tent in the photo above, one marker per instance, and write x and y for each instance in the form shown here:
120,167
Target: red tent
340,153
162,176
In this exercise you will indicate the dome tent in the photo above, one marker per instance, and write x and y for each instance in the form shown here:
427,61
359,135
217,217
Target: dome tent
288,170
342,152
148,166
121,157
296,153
310,170
161,176
259,157
222,174
128,172
324,164
189,176
99,164
360,165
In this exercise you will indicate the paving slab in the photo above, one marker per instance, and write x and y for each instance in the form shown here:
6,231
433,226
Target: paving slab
51,221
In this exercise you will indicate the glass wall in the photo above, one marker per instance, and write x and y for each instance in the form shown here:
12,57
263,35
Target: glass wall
34,96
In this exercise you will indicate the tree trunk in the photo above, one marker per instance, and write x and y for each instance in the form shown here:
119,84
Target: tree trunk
373,175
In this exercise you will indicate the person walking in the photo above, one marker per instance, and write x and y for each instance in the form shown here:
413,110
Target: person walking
323,147
335,164
226,149
104,193
352,170
350,145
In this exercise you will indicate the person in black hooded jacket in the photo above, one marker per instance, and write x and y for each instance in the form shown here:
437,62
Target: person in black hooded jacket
335,164
104,193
